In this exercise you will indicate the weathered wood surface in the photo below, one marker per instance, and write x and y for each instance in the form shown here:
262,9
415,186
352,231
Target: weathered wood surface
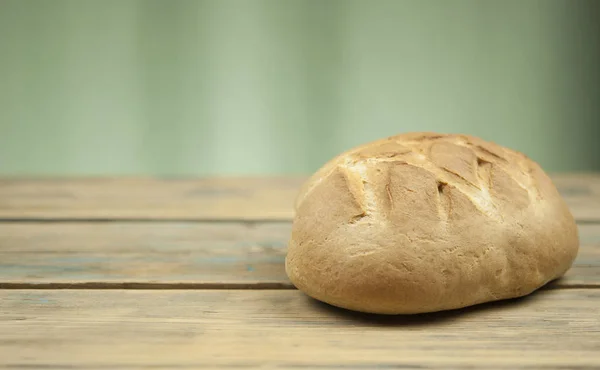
582,194
179,254
202,199
161,282
283,329
145,198
167,254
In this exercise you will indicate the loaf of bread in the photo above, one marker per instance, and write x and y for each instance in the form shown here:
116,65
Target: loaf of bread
426,222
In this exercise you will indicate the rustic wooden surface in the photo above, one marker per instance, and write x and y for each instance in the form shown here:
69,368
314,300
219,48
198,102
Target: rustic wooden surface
149,199
159,273
197,254
179,254
555,329
201,199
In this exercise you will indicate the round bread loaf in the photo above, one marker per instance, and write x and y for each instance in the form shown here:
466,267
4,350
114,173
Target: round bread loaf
425,222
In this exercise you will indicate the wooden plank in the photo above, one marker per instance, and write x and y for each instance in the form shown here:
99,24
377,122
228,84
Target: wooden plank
201,199
582,194
154,254
283,329
145,198
178,255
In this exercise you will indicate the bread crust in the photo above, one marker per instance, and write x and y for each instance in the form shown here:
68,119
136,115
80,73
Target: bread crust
424,222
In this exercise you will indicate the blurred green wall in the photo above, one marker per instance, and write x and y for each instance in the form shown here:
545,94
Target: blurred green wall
113,87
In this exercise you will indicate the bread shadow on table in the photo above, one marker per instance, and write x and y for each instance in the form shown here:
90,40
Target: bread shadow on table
422,318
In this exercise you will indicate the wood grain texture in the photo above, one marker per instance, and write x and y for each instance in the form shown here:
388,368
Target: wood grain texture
179,255
283,329
156,255
146,198
582,194
202,199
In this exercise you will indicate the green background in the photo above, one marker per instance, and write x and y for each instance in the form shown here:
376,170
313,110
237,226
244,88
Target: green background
249,87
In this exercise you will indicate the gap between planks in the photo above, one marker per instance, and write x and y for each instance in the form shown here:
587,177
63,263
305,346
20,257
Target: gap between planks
205,286
201,286
247,222
252,222
149,286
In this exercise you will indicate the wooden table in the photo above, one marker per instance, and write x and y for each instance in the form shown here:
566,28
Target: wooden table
189,274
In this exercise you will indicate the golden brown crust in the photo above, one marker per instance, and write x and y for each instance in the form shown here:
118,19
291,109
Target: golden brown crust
425,222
